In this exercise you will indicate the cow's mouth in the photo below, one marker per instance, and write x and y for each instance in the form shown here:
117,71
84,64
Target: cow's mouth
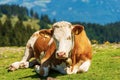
61,55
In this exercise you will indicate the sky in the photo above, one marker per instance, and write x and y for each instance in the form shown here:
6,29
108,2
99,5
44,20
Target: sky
94,11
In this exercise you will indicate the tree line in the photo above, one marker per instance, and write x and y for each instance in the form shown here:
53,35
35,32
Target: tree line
18,34
102,33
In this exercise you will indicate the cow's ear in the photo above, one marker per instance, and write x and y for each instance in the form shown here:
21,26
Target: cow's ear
77,29
51,31
47,31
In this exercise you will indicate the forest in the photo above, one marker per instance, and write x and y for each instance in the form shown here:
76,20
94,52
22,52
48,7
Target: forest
17,24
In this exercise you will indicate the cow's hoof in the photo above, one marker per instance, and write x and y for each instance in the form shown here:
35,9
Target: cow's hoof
37,69
68,70
14,66
11,68
24,64
42,71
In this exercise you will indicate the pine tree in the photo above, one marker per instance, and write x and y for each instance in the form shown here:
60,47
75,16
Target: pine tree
18,33
45,19
6,32
1,33
31,12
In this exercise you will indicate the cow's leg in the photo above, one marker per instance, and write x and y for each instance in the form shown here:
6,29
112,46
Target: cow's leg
29,53
42,70
24,62
33,63
85,66
82,66
49,52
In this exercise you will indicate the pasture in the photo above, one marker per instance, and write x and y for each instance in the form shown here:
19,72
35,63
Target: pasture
105,65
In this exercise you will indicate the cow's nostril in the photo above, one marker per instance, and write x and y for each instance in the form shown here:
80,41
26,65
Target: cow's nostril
61,54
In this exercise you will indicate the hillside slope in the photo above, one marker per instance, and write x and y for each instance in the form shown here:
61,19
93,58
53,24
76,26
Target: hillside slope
32,22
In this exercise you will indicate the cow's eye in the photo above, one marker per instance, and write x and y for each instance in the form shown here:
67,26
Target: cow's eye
69,38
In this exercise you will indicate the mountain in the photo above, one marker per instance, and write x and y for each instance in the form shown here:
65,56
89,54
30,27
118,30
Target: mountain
93,11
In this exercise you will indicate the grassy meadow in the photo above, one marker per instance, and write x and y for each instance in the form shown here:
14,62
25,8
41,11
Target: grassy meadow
105,65
30,22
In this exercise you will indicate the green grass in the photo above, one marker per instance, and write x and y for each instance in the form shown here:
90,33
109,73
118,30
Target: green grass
105,65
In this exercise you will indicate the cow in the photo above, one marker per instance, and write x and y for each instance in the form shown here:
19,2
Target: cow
73,53
37,48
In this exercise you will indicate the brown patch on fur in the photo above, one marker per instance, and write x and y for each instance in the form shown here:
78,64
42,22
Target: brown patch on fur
41,44
82,50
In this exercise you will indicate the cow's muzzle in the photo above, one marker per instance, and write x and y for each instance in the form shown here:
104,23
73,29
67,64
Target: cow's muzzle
61,55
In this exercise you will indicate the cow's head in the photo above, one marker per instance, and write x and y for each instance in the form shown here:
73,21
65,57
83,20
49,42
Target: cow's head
63,35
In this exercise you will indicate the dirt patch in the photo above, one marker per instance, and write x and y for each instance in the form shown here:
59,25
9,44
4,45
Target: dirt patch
117,57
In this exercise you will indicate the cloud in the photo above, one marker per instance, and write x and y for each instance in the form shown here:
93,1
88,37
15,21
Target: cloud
74,0
40,3
7,1
43,9
118,10
54,13
101,2
85,1
27,3
70,8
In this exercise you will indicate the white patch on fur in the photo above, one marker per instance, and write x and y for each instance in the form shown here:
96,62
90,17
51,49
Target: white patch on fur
26,54
63,37
50,42
30,43
60,68
70,71
24,64
15,65
32,39
85,66
82,68
37,69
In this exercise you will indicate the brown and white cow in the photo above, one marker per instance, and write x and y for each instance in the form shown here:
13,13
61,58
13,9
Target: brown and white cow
67,51
73,50
37,47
